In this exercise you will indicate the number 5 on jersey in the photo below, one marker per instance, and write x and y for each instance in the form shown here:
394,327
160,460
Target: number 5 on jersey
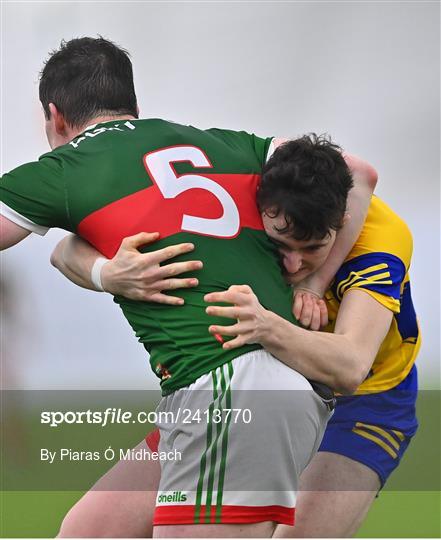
159,165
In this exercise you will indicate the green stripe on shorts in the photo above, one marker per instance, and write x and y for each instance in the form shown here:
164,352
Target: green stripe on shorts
220,488
216,456
197,512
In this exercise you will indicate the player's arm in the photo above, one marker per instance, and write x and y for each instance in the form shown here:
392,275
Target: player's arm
341,360
32,199
75,258
11,233
135,275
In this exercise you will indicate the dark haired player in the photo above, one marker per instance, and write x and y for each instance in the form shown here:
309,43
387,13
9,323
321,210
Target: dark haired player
368,350
370,431
110,176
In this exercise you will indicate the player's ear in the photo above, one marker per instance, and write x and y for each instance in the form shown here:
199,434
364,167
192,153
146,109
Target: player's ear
58,119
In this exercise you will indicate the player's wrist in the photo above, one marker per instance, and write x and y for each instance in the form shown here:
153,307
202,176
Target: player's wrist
308,290
96,274
270,321
316,284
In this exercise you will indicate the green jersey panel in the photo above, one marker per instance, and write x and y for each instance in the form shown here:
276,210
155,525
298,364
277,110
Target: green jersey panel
37,191
120,178
178,333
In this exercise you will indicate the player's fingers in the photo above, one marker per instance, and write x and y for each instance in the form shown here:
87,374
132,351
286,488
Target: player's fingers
246,289
137,240
306,315
217,296
298,304
230,297
232,330
323,313
315,318
160,298
229,312
238,341
176,283
169,252
175,269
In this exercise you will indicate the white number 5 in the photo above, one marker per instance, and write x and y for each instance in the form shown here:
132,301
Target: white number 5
159,166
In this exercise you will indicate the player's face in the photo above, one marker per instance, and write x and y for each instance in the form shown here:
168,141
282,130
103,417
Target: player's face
299,257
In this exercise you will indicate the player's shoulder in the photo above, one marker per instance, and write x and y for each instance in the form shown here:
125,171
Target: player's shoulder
48,165
162,124
384,235
245,136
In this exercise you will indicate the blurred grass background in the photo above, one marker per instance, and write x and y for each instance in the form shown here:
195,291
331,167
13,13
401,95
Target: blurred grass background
393,515
410,506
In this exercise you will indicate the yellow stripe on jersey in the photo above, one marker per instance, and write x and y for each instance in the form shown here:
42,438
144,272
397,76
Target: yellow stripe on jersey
374,268
398,434
376,440
351,280
381,432
369,281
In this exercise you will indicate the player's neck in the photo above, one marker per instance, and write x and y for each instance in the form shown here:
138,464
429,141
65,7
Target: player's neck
69,133
101,119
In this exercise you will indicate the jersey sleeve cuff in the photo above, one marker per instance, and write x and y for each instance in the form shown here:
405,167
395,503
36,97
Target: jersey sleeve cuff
22,221
387,301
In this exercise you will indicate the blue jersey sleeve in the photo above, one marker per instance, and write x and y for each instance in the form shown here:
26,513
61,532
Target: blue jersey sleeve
378,273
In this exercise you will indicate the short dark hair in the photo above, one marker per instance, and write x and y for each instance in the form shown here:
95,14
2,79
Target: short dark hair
307,181
88,77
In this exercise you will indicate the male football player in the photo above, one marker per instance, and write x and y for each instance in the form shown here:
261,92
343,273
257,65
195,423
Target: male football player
111,175
369,350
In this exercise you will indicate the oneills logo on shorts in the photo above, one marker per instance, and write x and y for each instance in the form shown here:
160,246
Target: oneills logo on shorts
176,496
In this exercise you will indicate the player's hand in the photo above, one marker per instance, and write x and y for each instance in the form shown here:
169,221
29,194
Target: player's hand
309,309
252,318
140,276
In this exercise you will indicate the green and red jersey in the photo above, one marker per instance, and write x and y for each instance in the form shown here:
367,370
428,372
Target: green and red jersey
122,177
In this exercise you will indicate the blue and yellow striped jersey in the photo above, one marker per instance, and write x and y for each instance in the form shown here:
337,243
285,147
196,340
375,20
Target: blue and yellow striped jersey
378,264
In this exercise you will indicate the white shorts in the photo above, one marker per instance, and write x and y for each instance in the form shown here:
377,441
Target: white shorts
240,436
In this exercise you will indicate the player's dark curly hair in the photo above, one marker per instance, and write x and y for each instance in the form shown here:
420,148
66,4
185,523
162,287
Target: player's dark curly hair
307,180
88,77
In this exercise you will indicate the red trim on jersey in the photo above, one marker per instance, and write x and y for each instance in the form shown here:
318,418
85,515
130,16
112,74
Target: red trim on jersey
152,440
148,211
185,514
